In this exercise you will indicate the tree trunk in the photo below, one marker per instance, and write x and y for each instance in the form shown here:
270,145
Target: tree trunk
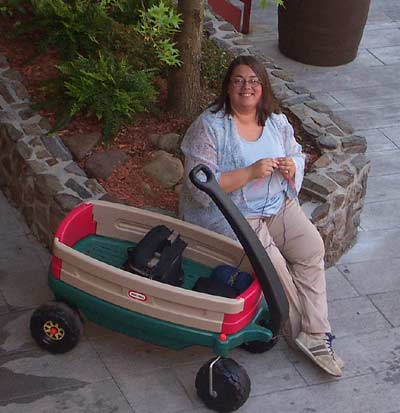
184,82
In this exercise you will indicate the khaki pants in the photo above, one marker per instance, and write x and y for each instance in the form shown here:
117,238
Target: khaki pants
297,252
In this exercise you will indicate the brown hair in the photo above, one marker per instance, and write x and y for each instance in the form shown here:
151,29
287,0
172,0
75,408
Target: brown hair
267,104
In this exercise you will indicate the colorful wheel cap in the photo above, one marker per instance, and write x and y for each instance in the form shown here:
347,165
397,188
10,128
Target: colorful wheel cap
53,330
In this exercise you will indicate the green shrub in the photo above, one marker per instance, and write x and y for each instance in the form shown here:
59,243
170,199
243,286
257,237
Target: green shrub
11,7
157,25
76,26
214,64
109,88
128,11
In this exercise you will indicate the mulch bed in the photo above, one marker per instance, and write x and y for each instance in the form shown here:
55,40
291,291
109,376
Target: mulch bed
129,183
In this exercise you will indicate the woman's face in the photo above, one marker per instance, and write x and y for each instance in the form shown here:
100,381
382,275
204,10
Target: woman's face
244,89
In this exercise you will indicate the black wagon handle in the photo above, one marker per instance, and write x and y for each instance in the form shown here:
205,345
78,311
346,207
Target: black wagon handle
258,257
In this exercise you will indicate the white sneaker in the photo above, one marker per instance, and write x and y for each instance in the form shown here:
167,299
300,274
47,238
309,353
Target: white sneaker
319,349
338,359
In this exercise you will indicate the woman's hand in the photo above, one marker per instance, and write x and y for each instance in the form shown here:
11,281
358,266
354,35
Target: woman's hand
263,167
287,167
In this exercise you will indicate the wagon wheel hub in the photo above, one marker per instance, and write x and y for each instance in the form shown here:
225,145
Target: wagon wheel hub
53,330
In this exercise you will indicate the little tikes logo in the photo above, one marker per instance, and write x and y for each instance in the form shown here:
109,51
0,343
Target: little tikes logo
136,295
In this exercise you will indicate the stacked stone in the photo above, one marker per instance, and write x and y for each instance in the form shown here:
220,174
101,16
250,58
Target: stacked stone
38,173
333,192
36,170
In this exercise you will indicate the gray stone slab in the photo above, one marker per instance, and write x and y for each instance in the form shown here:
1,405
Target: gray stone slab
380,38
389,304
377,141
103,397
371,277
349,77
4,309
373,116
337,286
353,316
33,372
14,332
384,163
382,214
350,307
382,25
269,372
378,17
372,246
159,391
11,224
393,134
360,97
382,188
25,287
22,251
387,55
126,356
359,323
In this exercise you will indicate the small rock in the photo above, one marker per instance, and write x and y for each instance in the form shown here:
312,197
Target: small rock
333,130
328,142
102,164
318,106
359,162
343,178
169,142
322,162
10,131
354,144
165,169
154,137
281,74
6,94
74,168
343,125
319,185
94,187
338,201
231,36
81,144
320,212
241,42
79,189
67,202
226,27
56,147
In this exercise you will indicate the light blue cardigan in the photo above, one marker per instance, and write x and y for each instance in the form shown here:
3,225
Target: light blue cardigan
213,140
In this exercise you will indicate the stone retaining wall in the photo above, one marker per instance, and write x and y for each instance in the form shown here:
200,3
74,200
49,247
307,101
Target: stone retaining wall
333,192
38,174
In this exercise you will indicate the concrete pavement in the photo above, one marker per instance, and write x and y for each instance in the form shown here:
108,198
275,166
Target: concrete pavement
108,372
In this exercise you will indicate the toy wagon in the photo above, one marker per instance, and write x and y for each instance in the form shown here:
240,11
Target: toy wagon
87,278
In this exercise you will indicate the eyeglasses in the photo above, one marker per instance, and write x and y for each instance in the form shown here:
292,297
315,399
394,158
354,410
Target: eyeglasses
239,82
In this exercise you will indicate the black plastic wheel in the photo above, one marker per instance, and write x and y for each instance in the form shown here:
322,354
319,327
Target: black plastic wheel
259,346
56,327
230,382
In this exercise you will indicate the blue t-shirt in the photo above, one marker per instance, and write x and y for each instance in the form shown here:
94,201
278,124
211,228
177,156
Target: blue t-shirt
265,196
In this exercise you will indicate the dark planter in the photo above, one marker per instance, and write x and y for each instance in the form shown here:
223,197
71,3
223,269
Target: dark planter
322,32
